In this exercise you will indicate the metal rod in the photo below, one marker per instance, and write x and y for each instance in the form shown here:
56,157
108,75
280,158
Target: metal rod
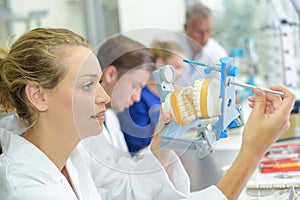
215,67
252,86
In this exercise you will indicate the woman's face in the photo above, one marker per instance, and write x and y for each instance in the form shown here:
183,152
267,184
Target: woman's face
78,102
128,89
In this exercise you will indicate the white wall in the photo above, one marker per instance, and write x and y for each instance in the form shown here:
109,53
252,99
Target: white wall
157,14
61,13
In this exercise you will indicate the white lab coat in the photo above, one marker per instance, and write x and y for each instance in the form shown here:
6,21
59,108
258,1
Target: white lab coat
112,131
26,173
211,193
106,151
115,176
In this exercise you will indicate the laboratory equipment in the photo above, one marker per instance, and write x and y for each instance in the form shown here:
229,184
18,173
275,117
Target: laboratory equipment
216,67
277,46
253,86
207,130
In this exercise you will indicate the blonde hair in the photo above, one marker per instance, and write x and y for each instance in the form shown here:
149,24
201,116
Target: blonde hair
37,57
165,50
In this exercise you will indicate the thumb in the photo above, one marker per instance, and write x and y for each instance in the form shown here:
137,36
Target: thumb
260,101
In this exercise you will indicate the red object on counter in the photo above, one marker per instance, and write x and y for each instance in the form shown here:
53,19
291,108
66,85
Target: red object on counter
281,158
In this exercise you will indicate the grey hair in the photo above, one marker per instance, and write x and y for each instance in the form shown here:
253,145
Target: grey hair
197,9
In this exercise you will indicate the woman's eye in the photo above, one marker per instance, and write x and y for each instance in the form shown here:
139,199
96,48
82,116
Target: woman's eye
100,81
88,86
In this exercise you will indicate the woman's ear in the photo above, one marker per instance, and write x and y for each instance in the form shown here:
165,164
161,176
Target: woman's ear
36,96
110,75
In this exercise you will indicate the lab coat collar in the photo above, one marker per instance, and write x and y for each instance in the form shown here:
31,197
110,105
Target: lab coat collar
22,151
74,178
111,118
113,132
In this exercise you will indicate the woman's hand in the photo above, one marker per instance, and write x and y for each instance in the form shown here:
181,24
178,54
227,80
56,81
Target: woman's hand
156,139
163,155
269,118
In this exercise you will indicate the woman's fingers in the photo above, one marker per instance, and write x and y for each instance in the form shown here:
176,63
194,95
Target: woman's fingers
260,102
288,99
164,119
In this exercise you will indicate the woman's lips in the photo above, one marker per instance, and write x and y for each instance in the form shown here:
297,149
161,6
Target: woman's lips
99,116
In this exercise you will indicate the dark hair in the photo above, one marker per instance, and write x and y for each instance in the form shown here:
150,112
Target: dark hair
37,57
125,54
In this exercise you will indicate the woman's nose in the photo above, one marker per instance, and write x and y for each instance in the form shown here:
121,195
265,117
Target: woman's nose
101,96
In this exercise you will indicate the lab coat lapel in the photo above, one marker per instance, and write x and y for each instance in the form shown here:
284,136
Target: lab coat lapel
74,178
114,133
80,174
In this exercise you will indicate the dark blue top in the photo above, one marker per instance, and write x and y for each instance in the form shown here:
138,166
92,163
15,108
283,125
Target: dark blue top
139,121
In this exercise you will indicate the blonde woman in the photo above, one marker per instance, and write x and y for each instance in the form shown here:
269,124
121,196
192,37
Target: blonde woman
50,78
